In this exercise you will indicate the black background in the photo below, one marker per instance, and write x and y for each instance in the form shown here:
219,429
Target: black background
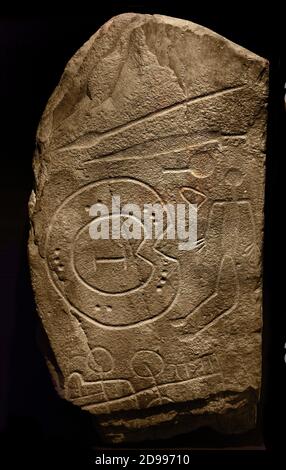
36,425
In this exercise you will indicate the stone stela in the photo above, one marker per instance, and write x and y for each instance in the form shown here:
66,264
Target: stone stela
151,339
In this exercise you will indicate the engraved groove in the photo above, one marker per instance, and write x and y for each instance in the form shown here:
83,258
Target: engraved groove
149,116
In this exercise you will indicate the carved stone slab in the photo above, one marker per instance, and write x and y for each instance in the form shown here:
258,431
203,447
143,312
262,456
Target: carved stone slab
149,338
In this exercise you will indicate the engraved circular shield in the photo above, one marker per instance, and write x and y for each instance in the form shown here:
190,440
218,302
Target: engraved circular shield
113,282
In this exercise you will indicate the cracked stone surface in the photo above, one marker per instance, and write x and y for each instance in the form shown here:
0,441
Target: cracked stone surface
152,340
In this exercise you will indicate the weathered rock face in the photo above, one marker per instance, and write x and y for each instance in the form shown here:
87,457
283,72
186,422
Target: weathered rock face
152,339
